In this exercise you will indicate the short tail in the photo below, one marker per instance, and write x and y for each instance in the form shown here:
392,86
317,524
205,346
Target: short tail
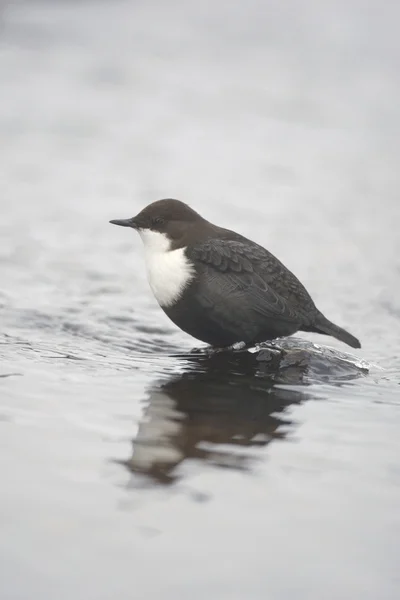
323,325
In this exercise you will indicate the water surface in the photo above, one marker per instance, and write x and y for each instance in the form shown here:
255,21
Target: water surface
129,467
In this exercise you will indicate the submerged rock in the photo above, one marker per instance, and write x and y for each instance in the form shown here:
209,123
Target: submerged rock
304,360
288,360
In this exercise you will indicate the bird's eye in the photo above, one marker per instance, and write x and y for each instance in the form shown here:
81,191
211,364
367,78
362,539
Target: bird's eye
157,221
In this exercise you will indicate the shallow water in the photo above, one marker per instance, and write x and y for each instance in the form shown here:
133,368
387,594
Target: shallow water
131,468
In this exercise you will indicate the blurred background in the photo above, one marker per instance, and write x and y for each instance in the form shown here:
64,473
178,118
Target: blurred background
281,120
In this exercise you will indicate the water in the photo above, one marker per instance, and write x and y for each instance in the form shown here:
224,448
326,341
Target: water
129,468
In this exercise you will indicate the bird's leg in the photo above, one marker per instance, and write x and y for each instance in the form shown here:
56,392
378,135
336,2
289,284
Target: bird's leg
236,347
201,350
211,350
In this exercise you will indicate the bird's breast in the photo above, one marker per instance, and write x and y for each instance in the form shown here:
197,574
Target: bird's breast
169,273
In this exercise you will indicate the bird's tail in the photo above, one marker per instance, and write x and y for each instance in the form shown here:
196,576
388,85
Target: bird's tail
323,325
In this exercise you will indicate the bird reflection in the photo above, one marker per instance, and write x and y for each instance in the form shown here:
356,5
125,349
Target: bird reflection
221,410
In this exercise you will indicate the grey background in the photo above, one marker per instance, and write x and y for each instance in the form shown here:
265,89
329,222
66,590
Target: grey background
277,119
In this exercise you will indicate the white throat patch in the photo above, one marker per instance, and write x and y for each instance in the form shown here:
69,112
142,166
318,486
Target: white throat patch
168,271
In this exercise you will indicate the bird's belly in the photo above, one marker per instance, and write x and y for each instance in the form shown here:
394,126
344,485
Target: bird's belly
202,324
223,324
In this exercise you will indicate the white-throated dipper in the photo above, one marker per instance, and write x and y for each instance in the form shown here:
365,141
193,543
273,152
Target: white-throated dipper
219,286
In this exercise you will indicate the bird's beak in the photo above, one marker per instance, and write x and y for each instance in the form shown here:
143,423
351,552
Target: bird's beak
125,222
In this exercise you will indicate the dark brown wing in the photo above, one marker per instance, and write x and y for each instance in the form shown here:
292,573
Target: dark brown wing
242,274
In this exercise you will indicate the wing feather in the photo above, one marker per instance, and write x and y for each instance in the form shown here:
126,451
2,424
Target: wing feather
250,277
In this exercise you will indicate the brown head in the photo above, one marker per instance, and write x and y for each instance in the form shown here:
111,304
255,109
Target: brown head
173,218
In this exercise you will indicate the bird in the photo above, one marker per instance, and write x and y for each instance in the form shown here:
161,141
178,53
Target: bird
220,287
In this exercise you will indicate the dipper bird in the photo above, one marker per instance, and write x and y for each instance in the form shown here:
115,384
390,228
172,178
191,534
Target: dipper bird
219,286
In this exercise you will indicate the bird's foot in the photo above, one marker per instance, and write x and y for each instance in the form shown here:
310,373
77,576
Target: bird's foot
236,347
202,350
211,350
